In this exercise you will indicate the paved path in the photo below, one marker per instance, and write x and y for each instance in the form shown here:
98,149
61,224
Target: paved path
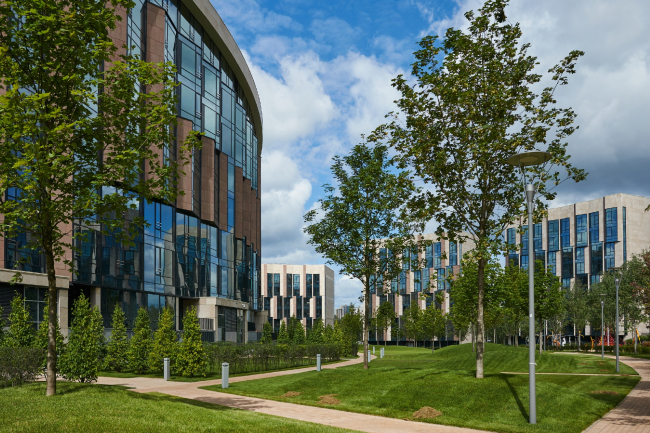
633,414
331,417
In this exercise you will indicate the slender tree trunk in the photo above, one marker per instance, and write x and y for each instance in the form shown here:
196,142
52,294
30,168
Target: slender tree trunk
366,322
473,338
578,341
52,316
517,337
635,338
480,338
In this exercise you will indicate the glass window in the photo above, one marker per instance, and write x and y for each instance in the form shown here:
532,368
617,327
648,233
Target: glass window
524,240
316,283
553,235
296,284
211,83
552,262
596,258
611,225
428,255
188,101
581,230
437,253
567,262
417,280
453,254
594,236
308,285
565,232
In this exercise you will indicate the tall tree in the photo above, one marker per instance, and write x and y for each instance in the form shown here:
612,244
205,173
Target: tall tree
117,349
267,333
77,123
362,225
413,324
434,321
80,362
472,107
21,331
384,317
191,354
164,341
576,306
140,344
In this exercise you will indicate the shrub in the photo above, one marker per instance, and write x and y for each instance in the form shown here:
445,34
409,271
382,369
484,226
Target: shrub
283,335
80,362
21,331
19,365
257,357
117,349
141,343
267,333
2,329
191,358
164,341
298,333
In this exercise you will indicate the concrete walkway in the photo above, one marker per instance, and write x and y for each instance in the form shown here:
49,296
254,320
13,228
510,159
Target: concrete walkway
331,417
633,414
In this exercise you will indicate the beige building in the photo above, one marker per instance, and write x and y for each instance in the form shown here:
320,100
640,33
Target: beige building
443,259
304,291
583,240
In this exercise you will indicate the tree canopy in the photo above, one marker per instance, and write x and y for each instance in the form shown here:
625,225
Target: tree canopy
362,224
473,104
77,123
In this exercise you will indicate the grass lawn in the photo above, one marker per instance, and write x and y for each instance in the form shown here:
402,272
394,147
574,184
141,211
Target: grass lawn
97,408
408,379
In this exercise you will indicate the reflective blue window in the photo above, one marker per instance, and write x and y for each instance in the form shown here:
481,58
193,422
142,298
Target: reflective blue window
624,236
425,279
512,239
609,255
453,254
524,261
524,240
417,281
552,262
580,260
596,258
437,252
554,235
594,236
567,262
611,225
565,232
429,255
581,230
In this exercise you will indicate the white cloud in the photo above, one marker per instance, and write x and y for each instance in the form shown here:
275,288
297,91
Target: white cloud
295,104
347,291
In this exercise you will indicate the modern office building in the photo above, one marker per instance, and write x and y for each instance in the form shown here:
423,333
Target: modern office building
204,250
443,260
581,241
304,291
341,311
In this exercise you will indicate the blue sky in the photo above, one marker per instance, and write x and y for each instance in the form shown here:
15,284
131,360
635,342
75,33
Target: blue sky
323,71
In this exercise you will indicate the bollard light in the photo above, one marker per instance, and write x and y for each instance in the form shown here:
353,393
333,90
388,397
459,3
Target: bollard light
166,368
225,371
318,362
368,355
373,350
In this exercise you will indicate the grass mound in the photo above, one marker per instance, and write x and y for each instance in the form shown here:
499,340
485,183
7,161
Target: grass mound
426,412
328,399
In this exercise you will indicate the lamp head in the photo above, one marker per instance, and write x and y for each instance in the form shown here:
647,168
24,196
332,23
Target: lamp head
527,159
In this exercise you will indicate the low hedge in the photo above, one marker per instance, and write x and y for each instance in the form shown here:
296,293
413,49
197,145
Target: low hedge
258,357
19,365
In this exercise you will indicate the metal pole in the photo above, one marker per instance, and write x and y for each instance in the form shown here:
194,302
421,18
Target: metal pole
225,372
166,368
602,328
530,195
318,362
618,281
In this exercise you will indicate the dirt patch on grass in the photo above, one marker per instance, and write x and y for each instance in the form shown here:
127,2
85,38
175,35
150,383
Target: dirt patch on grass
291,394
329,399
583,363
604,392
426,412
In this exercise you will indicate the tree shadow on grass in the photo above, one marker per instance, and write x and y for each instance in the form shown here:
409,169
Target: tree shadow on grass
520,405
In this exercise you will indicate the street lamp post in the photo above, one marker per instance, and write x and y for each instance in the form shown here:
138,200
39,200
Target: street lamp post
522,160
602,325
618,282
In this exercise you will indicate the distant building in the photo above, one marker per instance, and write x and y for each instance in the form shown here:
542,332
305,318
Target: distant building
581,241
342,311
443,260
304,291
